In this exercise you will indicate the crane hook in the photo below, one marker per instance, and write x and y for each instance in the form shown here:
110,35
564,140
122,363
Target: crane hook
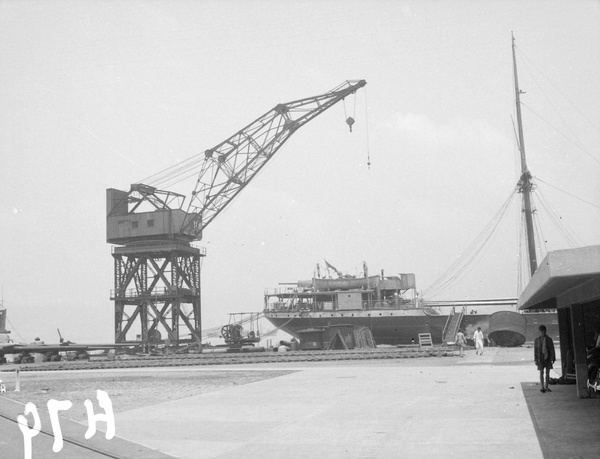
350,122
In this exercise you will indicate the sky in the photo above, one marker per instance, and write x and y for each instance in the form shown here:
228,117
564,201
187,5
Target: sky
100,94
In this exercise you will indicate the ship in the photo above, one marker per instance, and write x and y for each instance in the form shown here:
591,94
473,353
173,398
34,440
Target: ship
390,305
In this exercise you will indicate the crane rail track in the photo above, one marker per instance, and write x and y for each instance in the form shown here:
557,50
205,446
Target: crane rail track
148,361
49,433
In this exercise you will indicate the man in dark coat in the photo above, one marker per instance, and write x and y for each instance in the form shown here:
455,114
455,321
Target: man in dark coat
543,349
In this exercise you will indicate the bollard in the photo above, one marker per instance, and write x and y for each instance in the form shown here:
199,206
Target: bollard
18,383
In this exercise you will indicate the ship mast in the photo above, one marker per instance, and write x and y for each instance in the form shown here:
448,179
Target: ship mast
525,185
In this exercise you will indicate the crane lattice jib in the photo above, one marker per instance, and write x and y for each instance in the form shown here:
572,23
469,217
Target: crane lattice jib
228,167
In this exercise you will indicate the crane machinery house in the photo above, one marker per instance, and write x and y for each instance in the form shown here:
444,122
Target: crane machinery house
125,225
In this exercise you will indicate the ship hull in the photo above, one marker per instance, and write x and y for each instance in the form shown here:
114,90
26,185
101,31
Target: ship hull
403,327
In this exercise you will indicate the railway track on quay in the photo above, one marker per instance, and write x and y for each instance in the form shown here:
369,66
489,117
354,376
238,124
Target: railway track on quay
237,358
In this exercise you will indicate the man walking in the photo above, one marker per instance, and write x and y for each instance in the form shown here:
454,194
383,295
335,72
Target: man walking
543,352
460,341
478,338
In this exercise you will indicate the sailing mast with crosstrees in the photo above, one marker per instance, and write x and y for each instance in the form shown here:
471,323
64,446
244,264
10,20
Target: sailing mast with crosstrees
525,184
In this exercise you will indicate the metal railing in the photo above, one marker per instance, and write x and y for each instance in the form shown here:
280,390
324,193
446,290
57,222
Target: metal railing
156,292
447,324
285,291
299,306
155,245
283,306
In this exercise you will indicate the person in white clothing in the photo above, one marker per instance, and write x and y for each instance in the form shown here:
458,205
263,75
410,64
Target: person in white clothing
478,338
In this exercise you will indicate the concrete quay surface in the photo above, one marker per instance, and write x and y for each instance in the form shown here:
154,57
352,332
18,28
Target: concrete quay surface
432,407
488,405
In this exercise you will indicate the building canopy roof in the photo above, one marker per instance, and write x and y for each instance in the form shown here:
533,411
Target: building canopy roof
563,278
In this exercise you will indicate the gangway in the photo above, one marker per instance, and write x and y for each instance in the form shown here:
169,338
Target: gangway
453,325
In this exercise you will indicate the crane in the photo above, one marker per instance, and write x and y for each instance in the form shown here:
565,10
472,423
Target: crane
156,269
224,170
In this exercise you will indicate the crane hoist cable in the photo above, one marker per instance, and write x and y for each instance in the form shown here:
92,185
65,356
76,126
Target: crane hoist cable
367,130
350,120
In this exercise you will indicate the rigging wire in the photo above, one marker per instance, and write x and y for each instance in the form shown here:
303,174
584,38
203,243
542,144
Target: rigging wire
542,247
179,178
553,106
548,210
173,174
184,173
276,329
559,91
517,151
567,233
215,332
169,171
464,262
585,150
567,193
522,252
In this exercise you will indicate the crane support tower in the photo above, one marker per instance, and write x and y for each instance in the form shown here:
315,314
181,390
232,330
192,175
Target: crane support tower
156,267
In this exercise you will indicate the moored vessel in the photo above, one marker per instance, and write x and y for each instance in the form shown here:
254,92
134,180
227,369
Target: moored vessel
390,307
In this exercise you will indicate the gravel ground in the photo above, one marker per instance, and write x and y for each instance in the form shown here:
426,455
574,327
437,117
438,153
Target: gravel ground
127,389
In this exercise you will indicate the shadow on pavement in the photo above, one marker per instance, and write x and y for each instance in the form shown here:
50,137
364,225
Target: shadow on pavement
566,426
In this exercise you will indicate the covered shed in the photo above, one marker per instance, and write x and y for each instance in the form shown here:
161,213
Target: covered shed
569,280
